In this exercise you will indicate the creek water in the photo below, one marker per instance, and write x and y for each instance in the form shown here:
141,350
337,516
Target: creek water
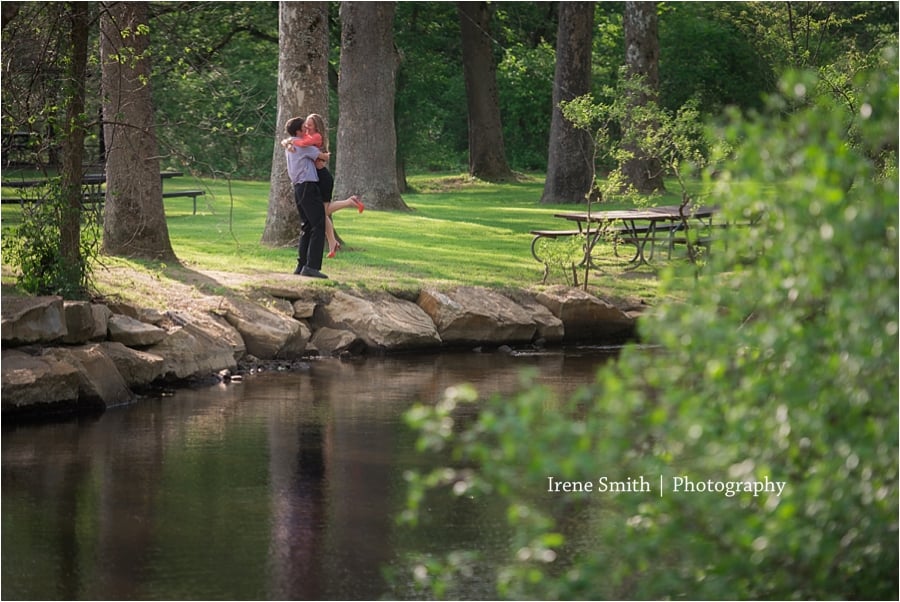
282,486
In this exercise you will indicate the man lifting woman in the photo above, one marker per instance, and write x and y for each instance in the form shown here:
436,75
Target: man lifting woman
311,134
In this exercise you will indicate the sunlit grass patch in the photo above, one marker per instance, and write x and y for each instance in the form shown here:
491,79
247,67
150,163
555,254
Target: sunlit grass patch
459,231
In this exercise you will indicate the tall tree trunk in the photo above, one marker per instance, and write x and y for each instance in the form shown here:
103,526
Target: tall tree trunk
641,171
73,137
367,137
134,223
569,164
487,157
302,89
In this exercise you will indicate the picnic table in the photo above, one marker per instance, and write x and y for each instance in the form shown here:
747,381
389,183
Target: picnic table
93,188
638,227
92,184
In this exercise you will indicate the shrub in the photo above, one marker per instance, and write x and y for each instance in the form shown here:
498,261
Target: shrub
778,365
34,245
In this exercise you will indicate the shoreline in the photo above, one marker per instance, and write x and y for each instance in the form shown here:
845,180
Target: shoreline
79,357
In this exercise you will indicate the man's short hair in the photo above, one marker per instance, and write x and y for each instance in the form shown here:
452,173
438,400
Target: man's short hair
294,125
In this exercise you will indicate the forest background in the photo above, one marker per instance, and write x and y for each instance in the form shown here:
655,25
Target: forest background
215,72
426,86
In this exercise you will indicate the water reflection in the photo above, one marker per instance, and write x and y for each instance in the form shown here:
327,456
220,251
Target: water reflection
281,487
298,499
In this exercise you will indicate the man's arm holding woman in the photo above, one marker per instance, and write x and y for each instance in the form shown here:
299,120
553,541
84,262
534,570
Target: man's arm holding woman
307,140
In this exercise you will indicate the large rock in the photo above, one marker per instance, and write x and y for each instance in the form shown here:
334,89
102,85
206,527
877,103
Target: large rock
132,332
141,314
32,320
214,325
29,381
99,382
189,351
382,321
331,341
303,309
264,332
298,345
101,315
138,368
549,328
477,315
291,293
587,318
79,317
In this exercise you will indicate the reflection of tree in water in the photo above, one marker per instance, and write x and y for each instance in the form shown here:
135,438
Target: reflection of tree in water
103,527
298,483
309,498
169,498
128,516
331,460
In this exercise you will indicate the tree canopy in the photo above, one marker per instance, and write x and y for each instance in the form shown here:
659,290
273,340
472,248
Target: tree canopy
215,68
214,73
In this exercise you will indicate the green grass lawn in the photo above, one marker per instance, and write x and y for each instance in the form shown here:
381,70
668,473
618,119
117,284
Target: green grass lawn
459,232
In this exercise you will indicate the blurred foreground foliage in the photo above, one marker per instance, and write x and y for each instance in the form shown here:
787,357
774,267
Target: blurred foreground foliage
780,362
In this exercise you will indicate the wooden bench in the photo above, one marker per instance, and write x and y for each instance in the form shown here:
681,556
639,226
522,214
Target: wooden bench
89,198
93,198
652,234
554,234
707,237
93,189
180,193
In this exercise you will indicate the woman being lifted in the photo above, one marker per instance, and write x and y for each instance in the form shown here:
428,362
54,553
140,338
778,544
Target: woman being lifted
314,134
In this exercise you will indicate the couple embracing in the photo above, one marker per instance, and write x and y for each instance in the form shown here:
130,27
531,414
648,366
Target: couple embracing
307,156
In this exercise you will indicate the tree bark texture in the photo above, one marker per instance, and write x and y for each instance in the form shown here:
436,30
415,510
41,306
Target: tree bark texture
642,171
367,137
134,223
487,156
74,132
302,89
570,167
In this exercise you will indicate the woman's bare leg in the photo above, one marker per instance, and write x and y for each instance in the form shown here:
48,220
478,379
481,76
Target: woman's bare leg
353,201
330,208
329,233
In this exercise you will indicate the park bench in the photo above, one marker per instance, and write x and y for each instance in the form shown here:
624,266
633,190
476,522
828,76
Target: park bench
193,194
618,234
93,191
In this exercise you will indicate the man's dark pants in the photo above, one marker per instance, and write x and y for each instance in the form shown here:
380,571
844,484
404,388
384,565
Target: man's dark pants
312,231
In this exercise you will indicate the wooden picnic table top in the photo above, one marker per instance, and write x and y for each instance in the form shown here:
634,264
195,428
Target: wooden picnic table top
663,213
92,179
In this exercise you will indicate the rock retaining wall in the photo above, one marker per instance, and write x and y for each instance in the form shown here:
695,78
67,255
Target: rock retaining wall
76,356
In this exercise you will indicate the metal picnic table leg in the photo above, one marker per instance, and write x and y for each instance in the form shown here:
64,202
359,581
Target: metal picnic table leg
641,242
591,239
630,235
